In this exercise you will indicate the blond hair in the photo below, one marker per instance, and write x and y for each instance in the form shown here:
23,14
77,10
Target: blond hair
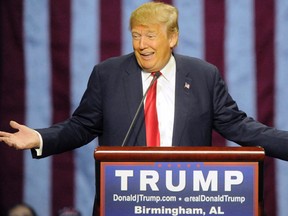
155,12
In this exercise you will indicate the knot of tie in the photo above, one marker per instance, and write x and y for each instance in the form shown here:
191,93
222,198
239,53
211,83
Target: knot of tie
156,74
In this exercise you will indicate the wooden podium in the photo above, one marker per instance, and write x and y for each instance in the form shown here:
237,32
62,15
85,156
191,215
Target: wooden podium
180,180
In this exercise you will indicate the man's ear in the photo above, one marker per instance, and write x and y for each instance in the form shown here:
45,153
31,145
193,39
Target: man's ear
173,40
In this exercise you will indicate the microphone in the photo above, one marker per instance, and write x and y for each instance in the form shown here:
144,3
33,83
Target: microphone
156,75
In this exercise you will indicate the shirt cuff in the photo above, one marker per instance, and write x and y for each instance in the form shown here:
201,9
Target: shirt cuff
40,149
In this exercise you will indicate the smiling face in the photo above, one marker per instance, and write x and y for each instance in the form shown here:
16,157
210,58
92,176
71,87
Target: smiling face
152,45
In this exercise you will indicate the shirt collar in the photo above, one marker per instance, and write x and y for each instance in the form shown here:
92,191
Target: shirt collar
167,72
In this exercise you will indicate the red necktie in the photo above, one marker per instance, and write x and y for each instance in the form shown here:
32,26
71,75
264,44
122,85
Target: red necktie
151,119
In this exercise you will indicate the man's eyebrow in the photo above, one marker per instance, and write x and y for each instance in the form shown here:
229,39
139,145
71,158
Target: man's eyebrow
151,32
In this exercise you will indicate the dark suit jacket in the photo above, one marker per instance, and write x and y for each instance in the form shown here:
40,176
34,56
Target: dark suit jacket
114,92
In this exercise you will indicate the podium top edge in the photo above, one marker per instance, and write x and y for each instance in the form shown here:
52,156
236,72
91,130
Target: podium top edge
143,153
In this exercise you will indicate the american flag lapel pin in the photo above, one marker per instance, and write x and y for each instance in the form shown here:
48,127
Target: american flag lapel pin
187,85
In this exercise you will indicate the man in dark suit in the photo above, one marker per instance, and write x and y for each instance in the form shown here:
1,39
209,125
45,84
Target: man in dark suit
192,99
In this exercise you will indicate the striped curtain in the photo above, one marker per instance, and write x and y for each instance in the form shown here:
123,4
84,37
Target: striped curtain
49,47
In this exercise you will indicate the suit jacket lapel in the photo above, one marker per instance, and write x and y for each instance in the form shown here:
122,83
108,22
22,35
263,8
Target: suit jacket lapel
132,82
182,101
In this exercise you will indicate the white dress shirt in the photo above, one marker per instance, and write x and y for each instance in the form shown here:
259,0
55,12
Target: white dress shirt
165,100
